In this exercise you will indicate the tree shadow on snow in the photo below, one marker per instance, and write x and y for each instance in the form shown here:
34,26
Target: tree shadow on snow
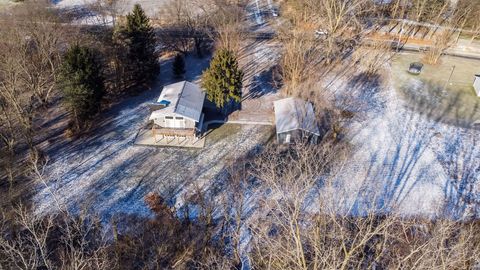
447,178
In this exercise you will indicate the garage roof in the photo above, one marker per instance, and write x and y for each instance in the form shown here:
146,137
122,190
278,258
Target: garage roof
294,113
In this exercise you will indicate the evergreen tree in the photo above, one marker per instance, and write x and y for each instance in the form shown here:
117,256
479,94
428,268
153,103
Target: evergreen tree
82,83
178,66
223,79
137,38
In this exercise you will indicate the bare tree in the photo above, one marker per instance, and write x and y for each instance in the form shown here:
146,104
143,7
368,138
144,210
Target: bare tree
41,36
297,229
444,34
183,25
8,138
17,100
27,249
427,10
320,34
30,241
300,57
186,24
228,24
371,56
473,18
109,10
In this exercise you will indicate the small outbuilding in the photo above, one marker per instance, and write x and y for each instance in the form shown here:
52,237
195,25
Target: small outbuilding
295,121
476,84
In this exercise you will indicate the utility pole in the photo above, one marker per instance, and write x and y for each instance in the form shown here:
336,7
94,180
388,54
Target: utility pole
449,77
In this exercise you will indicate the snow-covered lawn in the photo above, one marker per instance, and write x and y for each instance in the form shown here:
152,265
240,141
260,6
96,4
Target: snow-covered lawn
151,7
86,12
111,176
402,159
107,173
406,161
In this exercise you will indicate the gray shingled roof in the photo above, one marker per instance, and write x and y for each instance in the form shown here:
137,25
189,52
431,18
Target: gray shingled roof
186,99
293,114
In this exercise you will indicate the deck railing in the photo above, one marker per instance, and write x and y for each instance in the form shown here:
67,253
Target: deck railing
174,132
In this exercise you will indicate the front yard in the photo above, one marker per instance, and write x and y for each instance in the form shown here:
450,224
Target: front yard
431,92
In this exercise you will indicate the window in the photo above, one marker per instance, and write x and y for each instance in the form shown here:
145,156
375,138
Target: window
179,118
169,117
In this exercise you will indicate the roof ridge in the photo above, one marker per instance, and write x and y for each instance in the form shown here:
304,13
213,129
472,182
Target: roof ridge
179,96
299,120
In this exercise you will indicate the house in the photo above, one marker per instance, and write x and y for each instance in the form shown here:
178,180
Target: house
476,84
295,120
178,111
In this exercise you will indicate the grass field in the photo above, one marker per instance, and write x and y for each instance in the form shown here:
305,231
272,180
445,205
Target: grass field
453,101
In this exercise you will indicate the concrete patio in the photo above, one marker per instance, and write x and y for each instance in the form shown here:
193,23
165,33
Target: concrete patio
147,138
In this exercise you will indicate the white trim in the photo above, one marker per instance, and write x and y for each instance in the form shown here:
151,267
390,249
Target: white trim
301,129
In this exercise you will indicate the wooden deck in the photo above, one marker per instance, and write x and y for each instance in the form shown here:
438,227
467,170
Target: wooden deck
169,137
174,132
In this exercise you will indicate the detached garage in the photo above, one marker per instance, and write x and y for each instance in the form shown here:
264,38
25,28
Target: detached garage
295,121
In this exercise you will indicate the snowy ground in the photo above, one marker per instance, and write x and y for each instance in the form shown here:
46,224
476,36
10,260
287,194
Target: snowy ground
86,12
257,58
112,175
402,160
106,172
151,7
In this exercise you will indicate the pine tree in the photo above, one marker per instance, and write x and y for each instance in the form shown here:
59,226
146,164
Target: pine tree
178,66
137,37
82,83
223,79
